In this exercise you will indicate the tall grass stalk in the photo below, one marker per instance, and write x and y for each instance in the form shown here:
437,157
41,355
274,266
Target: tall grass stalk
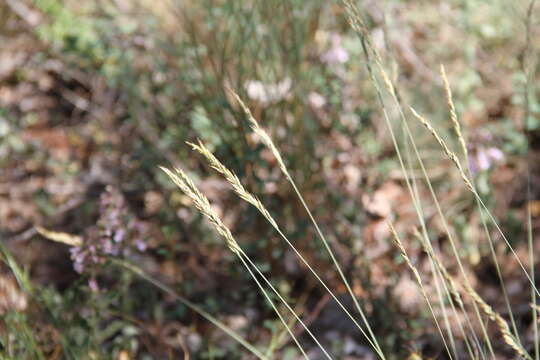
253,200
472,189
414,270
243,259
533,295
437,275
267,140
279,339
461,138
529,69
200,201
452,156
502,325
357,23
453,297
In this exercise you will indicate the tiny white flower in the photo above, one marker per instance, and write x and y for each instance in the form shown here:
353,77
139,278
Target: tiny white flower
316,100
268,93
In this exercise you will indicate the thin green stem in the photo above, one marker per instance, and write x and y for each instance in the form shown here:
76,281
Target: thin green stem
265,293
284,302
373,340
142,274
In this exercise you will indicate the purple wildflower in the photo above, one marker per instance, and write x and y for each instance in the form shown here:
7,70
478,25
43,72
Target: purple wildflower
336,54
119,235
92,283
482,159
117,232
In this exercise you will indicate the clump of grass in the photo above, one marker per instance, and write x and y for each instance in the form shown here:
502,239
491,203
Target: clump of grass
450,284
416,273
374,61
374,66
200,201
267,140
253,200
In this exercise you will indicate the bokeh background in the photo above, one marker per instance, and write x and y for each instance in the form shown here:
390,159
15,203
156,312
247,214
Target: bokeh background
94,95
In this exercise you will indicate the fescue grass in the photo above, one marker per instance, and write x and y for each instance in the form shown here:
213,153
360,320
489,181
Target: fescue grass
454,295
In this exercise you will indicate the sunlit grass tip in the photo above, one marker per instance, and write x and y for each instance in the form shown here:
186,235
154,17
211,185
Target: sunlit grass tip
203,205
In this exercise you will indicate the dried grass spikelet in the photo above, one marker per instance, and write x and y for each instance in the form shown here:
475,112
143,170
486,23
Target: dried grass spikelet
267,141
261,133
253,200
354,18
203,205
414,356
501,323
453,114
233,179
357,23
486,309
200,201
445,148
399,244
61,237
453,287
387,81
403,252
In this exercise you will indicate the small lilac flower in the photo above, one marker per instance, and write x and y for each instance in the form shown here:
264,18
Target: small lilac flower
92,283
78,256
336,54
119,235
79,266
495,154
141,245
74,251
482,159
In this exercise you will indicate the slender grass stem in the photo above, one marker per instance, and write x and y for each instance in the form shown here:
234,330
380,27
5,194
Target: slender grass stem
241,191
243,258
284,302
416,274
357,23
142,274
436,274
338,267
270,144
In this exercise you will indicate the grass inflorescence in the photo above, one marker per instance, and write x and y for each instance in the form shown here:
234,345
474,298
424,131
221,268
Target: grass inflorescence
240,49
